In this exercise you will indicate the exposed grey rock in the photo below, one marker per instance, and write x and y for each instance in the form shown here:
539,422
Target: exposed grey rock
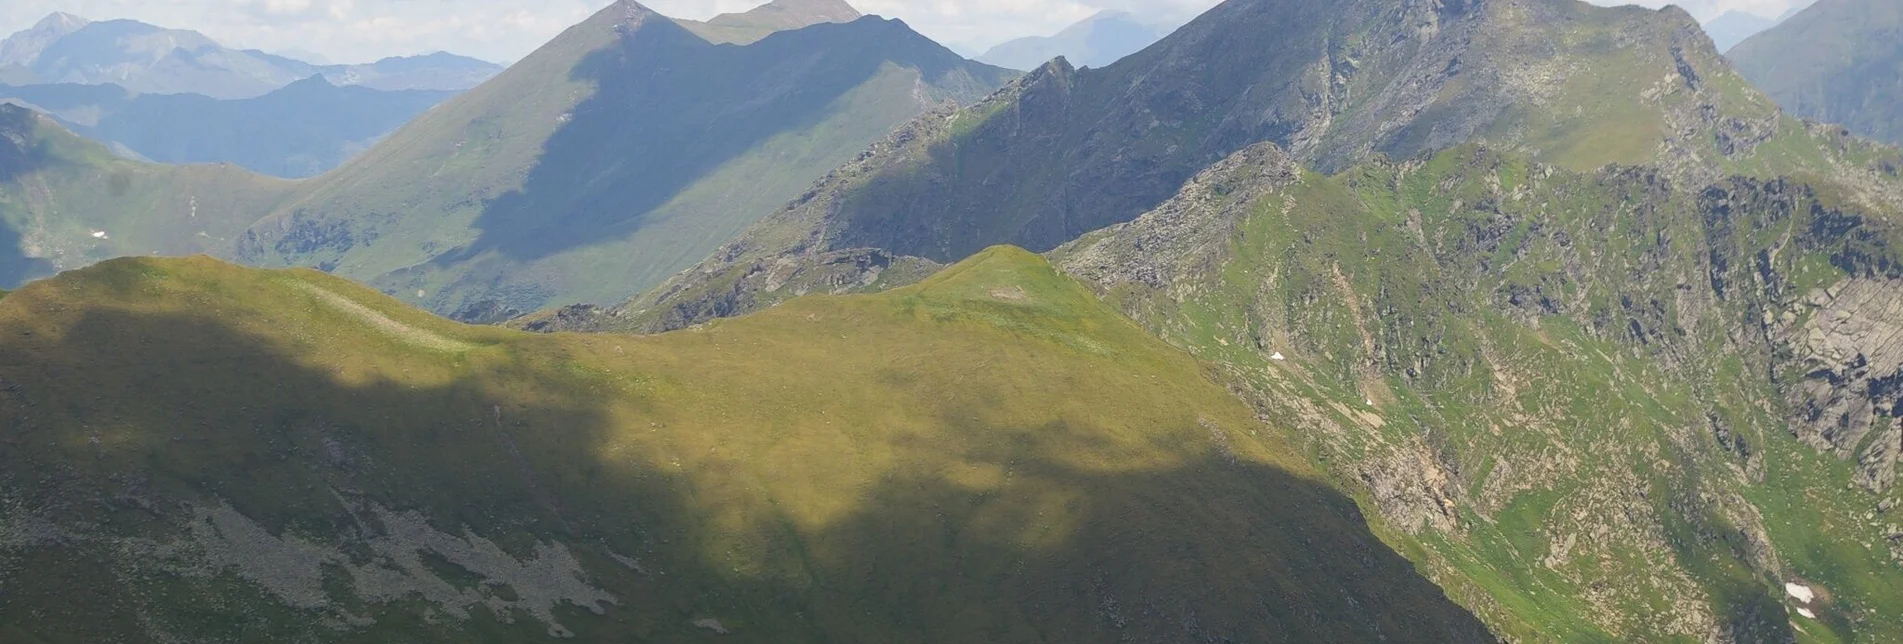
1852,350
291,567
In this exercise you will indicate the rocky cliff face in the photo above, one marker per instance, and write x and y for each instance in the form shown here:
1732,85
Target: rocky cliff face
1850,348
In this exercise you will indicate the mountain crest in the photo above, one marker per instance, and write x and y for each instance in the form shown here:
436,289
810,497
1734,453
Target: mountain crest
61,20
766,19
794,11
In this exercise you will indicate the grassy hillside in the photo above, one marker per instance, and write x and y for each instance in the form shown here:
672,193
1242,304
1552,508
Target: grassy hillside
623,151
66,202
1593,400
1838,61
200,452
1062,151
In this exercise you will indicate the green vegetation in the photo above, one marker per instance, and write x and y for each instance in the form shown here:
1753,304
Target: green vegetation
990,455
618,154
66,202
1062,152
1554,385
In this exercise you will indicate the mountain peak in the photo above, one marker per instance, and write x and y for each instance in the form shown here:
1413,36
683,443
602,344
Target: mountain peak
628,10
61,20
794,12
23,47
776,16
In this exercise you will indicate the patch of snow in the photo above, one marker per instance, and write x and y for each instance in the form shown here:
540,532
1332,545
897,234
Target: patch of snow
1800,592
99,234
712,625
1806,613
1278,357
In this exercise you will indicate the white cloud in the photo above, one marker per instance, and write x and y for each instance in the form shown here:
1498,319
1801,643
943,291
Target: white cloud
361,30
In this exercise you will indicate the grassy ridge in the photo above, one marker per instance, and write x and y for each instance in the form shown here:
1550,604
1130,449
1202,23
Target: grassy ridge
991,455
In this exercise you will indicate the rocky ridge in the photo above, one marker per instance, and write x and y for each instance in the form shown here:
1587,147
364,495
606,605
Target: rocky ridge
1062,152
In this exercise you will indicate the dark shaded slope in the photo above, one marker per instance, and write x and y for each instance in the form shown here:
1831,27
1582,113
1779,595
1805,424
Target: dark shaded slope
198,451
1839,61
669,110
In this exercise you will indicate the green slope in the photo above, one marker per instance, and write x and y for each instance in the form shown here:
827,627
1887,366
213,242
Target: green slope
60,193
623,151
1062,151
1838,61
193,451
1591,399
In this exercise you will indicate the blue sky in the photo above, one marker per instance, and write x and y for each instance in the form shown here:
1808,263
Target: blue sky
504,30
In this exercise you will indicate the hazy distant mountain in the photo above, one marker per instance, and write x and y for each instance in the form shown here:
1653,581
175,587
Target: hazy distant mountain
301,130
441,71
147,59
1097,41
1839,61
779,15
24,47
1734,26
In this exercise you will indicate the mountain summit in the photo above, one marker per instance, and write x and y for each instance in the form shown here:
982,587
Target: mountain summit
22,48
1064,151
619,153
144,58
779,15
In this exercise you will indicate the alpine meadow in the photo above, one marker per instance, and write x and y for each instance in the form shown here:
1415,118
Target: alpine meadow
1350,321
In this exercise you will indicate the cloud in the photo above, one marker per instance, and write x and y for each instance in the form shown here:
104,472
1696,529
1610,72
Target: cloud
505,30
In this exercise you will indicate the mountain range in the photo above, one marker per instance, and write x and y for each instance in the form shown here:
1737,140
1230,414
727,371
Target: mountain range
1097,41
300,130
1064,151
1838,61
1366,320
1733,27
147,59
1461,250
646,147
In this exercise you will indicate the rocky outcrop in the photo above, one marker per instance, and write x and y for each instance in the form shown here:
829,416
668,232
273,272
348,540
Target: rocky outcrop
1167,248
756,285
1850,349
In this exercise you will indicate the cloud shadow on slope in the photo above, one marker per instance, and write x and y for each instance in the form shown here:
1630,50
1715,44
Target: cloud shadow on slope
186,406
